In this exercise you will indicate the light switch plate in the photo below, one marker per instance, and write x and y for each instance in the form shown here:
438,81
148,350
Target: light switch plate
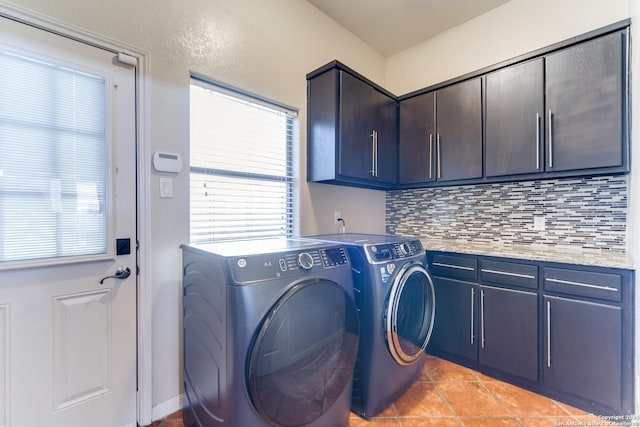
166,188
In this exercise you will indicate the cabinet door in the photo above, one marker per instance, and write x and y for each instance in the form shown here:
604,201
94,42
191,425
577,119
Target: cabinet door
455,324
322,126
356,128
585,105
509,331
514,120
416,142
583,349
385,119
459,131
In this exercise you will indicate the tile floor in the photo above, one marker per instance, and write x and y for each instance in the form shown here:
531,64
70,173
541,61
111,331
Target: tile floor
449,395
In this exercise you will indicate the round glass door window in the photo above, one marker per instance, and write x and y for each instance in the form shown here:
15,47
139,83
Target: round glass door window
409,314
303,354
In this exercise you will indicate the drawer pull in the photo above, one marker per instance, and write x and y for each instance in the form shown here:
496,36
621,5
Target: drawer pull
584,285
459,267
505,273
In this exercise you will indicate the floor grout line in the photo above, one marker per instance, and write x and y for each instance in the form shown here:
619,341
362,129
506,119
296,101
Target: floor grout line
446,401
497,399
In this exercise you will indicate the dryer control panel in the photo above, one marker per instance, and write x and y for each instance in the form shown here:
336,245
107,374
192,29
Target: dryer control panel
254,268
390,251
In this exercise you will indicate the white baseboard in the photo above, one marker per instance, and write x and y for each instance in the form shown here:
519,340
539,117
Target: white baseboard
167,407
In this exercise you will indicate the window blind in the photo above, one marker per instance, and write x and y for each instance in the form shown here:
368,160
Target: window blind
52,160
241,173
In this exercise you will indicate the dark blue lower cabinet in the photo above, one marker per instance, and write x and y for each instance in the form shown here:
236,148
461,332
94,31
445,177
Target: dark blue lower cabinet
562,330
508,338
583,350
455,323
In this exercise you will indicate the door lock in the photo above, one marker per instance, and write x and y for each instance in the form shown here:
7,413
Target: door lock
121,273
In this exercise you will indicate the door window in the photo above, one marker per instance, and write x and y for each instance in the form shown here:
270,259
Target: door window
303,354
53,179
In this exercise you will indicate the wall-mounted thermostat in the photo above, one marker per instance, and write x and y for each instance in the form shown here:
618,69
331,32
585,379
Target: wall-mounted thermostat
167,162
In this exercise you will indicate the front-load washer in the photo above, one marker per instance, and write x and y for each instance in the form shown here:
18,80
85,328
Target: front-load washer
270,334
396,303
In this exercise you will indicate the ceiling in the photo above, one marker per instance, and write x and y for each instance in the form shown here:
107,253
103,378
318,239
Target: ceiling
390,26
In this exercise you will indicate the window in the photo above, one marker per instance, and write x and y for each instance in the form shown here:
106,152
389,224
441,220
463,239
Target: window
53,148
241,151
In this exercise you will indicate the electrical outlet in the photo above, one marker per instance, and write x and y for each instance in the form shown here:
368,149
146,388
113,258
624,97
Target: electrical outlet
539,223
336,215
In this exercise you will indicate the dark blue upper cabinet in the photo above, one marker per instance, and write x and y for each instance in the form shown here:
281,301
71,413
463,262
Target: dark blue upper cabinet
352,133
586,106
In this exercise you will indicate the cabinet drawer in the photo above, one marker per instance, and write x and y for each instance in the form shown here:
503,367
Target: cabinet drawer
455,267
509,273
606,286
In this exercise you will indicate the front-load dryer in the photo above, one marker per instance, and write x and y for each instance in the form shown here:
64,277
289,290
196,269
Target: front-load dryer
396,303
270,334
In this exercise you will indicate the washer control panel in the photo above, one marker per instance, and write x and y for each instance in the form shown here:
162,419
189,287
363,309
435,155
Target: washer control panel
253,268
390,251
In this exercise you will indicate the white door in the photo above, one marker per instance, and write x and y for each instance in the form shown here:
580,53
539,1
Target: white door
67,193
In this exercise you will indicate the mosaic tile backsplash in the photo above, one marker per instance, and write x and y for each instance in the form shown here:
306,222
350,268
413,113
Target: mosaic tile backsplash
589,212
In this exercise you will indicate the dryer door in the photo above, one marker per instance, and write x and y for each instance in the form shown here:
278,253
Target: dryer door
409,313
302,356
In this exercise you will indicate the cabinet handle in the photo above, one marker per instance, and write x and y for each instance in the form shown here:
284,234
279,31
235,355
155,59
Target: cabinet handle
373,153
376,152
438,154
584,285
459,267
548,334
506,273
473,295
550,139
482,318
537,141
430,155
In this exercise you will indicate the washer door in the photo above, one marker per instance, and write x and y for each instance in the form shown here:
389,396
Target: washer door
303,354
409,313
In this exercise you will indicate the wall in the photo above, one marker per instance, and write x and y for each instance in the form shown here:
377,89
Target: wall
264,47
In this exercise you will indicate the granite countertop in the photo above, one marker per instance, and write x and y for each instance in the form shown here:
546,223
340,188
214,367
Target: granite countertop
535,252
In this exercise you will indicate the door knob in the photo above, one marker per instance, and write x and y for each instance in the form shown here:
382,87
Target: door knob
121,273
